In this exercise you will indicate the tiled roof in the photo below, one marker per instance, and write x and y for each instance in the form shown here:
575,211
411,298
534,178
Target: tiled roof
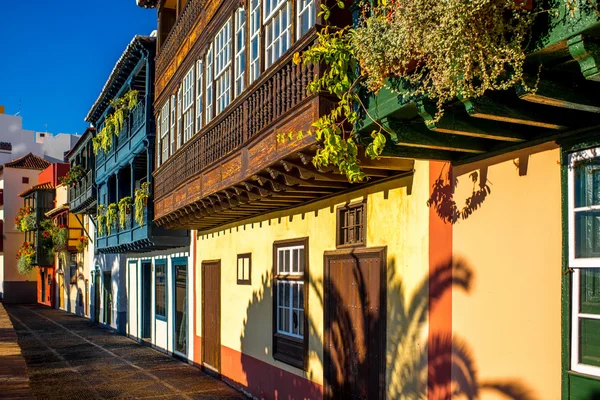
34,188
57,210
28,161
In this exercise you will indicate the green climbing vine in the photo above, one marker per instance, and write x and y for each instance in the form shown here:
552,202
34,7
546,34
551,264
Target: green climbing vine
113,123
440,50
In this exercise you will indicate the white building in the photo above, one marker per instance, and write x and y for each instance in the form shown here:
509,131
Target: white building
15,141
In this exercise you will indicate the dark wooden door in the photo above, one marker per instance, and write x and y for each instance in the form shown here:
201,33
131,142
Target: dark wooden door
146,298
355,324
96,296
211,315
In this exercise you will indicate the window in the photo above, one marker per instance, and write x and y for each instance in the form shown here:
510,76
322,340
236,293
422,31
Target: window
244,268
199,92
290,342
209,85
306,16
179,120
173,121
277,29
164,131
160,268
25,180
223,67
73,268
584,258
188,105
240,50
351,225
254,39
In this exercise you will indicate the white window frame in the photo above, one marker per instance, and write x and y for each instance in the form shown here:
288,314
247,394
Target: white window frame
578,263
240,51
292,284
199,94
208,106
222,48
165,112
173,122
255,22
188,104
305,6
274,43
179,117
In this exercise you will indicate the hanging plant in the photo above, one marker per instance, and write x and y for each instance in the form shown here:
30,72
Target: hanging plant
25,221
141,200
114,122
101,221
124,210
82,243
440,50
111,216
25,258
73,176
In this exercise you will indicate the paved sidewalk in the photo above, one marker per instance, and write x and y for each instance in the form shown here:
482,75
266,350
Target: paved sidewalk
14,382
68,357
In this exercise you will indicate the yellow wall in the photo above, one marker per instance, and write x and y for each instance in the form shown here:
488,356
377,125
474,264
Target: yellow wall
510,319
397,218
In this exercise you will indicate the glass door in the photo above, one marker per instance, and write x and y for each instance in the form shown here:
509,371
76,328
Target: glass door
180,337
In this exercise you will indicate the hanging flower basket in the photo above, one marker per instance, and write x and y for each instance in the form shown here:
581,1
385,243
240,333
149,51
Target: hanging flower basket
82,243
25,258
25,220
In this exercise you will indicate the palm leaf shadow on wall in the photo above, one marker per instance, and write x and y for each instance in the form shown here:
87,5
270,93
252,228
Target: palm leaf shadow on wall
412,370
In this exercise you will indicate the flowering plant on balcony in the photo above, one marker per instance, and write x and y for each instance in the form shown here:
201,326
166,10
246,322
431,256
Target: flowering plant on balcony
82,243
55,238
73,176
113,123
25,220
124,210
440,50
141,201
111,216
101,221
25,258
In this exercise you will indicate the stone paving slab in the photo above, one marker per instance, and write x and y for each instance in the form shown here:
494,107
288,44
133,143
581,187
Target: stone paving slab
69,357
14,381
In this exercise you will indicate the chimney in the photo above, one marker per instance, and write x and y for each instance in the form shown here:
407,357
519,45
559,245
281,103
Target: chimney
1,109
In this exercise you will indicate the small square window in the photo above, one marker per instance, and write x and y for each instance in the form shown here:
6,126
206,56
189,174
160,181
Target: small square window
351,225
25,180
244,269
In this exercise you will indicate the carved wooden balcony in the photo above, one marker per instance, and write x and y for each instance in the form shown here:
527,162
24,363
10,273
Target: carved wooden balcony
235,168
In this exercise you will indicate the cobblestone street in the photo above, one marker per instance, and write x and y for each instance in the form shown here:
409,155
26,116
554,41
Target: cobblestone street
68,357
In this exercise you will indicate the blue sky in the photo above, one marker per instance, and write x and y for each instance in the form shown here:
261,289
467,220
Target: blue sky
56,55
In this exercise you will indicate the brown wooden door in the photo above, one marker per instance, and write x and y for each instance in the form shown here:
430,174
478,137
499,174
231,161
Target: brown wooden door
355,324
211,315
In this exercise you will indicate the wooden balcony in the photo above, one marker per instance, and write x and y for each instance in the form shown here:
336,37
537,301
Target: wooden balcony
235,168
131,140
83,196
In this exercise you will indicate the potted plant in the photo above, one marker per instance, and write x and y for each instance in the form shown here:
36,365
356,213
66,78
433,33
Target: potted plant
25,220
111,216
101,221
73,176
141,200
114,122
25,258
82,243
124,210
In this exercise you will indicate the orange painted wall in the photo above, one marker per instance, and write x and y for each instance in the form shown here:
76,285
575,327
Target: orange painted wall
53,173
508,322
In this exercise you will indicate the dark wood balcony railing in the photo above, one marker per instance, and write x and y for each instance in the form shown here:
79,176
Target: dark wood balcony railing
275,93
82,193
181,29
